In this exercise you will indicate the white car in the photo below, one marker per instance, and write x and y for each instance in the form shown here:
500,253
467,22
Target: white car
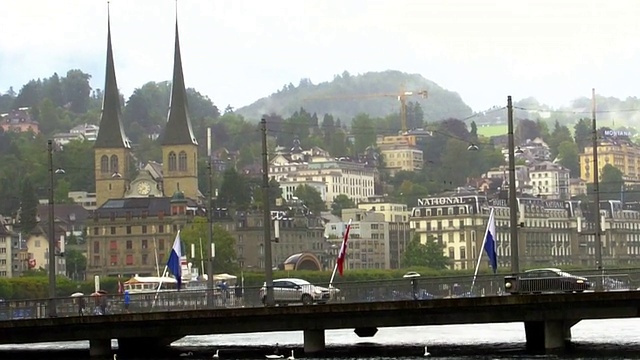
295,291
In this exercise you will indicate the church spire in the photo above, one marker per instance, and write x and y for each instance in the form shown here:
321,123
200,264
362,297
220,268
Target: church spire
178,130
111,133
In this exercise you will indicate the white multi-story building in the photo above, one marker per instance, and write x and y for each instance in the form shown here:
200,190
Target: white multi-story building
88,131
290,185
550,180
340,176
368,239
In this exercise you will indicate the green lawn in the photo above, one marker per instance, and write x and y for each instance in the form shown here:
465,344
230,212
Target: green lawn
492,130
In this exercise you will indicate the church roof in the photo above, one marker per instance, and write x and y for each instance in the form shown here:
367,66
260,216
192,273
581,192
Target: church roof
178,130
136,206
111,134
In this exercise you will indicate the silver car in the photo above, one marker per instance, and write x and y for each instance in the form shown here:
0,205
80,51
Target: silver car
295,291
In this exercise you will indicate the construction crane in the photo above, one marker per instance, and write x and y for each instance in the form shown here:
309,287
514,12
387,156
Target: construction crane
401,96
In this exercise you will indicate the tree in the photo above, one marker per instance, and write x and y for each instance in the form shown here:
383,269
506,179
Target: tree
526,129
583,134
569,158
474,131
77,90
559,135
29,207
429,254
234,190
225,260
340,202
310,197
611,183
76,264
363,133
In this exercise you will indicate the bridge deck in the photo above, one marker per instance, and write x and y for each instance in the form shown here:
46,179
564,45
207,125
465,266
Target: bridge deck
176,324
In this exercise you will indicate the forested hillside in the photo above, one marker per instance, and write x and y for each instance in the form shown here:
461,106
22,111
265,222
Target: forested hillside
373,93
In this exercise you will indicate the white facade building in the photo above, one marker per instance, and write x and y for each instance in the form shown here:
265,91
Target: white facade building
88,131
314,167
368,239
550,180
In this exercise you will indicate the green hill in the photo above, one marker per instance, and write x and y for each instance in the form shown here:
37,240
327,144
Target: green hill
347,95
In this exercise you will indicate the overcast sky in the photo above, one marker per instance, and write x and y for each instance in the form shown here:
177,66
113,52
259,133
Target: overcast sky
236,51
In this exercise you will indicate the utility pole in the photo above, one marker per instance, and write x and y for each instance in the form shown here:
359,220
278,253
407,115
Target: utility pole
596,191
210,251
52,238
268,268
513,202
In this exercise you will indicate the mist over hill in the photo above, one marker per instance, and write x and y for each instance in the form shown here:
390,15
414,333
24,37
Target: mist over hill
374,93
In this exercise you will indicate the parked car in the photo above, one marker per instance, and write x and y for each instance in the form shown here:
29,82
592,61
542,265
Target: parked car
295,291
544,281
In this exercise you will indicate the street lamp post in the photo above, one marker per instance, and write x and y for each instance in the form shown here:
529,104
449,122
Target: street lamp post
52,237
210,251
268,270
596,194
513,202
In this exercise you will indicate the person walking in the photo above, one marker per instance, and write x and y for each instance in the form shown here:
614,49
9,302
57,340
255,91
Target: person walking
127,300
81,305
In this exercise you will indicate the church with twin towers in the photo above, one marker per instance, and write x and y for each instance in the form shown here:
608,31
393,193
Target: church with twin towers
140,210
113,157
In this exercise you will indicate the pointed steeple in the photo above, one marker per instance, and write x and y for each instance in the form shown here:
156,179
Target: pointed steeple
111,133
178,130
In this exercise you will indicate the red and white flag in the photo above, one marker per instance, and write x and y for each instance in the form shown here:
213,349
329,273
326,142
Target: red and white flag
343,249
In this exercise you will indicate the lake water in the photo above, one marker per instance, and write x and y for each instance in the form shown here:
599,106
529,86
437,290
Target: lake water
593,339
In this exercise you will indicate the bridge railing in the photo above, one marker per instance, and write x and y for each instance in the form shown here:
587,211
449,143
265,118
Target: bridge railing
413,288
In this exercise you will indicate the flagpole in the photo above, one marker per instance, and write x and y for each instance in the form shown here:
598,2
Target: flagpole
484,241
335,267
333,274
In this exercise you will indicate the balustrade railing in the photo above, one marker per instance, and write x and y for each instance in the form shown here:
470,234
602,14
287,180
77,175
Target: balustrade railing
421,288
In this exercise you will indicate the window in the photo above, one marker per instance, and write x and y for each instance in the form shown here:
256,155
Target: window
463,253
129,260
161,229
161,244
104,164
96,247
113,230
144,229
172,161
114,164
129,245
182,161
96,260
114,260
145,259
96,231
128,229
145,244
113,245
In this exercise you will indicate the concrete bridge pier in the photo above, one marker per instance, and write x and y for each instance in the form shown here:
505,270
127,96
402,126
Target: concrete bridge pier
314,341
548,335
143,345
100,348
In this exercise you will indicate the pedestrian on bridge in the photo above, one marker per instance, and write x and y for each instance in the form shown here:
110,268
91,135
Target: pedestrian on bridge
81,305
127,300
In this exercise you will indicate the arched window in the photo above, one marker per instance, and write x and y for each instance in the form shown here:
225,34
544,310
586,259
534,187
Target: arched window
114,164
104,164
172,161
182,161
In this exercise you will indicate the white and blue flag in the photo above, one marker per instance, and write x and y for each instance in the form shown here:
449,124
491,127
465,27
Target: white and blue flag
490,242
173,264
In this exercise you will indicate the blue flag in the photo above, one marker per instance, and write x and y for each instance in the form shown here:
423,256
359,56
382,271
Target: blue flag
173,264
490,242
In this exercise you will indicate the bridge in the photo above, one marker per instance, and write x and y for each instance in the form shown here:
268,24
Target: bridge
547,319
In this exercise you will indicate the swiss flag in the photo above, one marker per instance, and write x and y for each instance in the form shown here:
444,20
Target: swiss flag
343,249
